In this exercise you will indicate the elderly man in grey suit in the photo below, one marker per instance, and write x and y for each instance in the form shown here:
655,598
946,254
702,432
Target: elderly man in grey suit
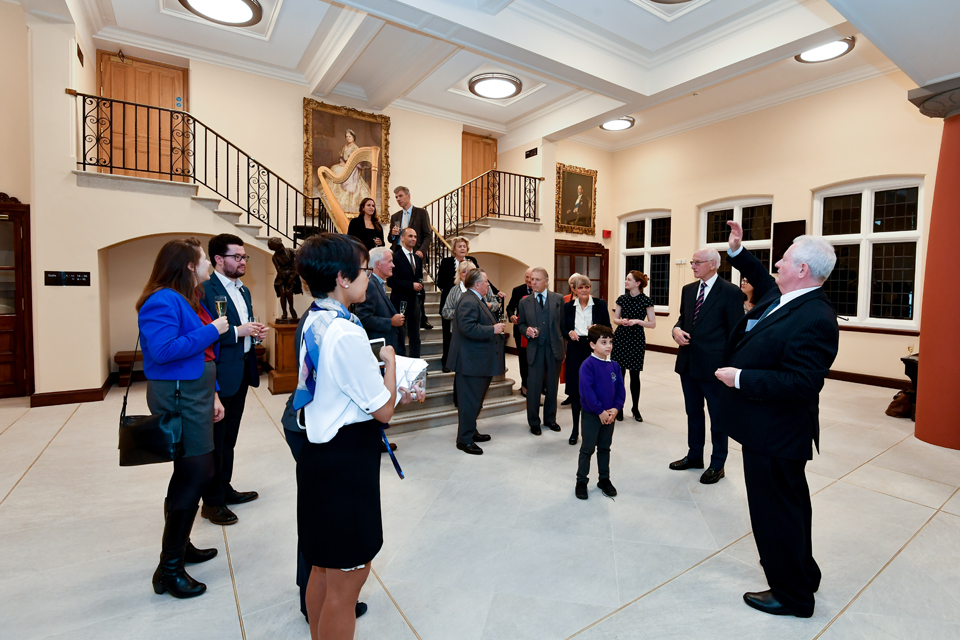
377,314
476,355
540,316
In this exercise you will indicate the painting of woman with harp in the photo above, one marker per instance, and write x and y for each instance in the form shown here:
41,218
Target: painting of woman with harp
345,158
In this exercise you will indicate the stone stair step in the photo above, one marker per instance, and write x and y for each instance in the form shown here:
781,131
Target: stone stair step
440,397
210,203
232,217
252,229
429,418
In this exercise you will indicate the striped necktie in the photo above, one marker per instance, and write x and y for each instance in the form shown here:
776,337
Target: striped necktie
696,311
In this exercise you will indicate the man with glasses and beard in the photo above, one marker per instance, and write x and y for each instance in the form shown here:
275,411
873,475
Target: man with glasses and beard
236,370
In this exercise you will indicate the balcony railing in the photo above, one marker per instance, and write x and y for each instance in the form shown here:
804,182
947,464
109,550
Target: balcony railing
134,139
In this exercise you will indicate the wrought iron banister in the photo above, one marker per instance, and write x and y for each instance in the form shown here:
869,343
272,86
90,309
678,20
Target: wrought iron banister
117,136
494,194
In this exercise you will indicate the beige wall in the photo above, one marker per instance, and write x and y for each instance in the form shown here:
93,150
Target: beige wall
14,106
788,151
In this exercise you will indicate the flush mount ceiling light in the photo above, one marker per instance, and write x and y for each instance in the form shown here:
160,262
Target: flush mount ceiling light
495,86
621,123
828,51
670,1
231,13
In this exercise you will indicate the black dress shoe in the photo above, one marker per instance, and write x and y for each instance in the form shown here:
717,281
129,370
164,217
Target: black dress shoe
471,448
620,415
446,370
567,401
606,488
553,427
581,490
535,430
219,515
766,602
637,416
426,327
481,437
361,608
686,463
239,497
573,440
711,476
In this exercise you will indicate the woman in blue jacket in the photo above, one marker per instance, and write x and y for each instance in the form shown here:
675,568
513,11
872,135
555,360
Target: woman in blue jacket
179,341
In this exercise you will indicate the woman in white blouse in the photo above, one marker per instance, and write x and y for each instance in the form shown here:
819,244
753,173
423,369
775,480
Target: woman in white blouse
343,400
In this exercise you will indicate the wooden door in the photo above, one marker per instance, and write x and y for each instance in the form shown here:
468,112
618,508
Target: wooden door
144,142
16,325
589,259
479,155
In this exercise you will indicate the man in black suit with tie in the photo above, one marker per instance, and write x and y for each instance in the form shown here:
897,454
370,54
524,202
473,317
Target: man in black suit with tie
236,370
377,313
779,355
541,316
418,219
476,355
519,293
405,285
709,310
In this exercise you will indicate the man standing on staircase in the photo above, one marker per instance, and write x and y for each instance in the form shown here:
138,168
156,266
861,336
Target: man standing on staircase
405,285
418,219
236,369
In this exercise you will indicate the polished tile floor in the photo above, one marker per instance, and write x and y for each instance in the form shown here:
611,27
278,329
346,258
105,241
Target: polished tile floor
492,547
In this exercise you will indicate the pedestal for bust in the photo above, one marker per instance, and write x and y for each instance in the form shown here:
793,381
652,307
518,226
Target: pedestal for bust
283,379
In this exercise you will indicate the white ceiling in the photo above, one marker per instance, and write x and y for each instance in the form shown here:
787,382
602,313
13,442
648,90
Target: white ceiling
581,61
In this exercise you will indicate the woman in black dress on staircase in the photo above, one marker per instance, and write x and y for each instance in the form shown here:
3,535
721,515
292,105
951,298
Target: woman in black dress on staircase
365,227
634,312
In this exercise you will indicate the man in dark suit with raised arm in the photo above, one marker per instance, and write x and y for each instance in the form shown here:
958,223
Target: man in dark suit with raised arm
519,293
779,355
405,284
418,219
710,308
541,316
236,370
377,314
476,355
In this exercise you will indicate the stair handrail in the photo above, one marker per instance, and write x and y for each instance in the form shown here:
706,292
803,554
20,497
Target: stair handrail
266,196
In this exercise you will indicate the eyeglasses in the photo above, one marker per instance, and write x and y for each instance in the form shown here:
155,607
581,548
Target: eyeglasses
369,270
237,257
697,263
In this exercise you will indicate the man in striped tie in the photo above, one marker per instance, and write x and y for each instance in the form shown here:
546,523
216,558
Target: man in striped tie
710,307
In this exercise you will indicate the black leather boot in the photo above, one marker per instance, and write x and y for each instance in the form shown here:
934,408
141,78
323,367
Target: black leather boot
170,575
193,555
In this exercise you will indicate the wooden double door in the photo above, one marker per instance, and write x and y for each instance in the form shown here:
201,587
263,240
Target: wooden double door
16,324
590,259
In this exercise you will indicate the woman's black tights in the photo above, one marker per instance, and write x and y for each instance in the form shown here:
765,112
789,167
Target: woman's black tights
634,386
190,477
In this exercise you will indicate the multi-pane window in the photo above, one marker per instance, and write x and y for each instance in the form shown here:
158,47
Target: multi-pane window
875,230
646,248
755,215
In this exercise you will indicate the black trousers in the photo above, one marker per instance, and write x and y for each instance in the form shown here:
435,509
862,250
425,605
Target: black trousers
522,354
225,435
296,441
596,436
695,392
544,373
447,334
577,352
470,391
780,514
410,329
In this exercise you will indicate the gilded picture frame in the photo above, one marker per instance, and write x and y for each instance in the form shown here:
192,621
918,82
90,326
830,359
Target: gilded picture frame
576,200
326,144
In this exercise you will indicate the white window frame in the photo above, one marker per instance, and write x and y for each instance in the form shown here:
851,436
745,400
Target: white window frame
647,250
867,238
737,204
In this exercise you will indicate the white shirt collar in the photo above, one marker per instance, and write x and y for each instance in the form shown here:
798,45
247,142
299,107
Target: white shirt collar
579,306
607,359
712,281
475,293
793,295
229,281
463,288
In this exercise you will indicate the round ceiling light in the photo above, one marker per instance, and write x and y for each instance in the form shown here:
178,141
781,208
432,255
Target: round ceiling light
231,13
621,123
495,86
828,51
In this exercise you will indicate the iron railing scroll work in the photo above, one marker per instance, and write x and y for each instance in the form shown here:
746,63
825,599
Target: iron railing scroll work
135,139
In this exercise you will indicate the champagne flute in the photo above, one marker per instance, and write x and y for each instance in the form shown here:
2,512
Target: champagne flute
220,302
255,338
403,307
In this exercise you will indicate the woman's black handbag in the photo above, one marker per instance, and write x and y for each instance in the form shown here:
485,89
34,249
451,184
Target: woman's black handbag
150,439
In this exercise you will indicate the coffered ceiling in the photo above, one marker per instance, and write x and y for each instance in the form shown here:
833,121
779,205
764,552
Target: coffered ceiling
581,61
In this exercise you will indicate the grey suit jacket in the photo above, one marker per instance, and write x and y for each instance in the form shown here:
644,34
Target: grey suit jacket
548,320
375,313
475,350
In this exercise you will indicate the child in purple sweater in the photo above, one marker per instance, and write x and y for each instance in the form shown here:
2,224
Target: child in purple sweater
601,396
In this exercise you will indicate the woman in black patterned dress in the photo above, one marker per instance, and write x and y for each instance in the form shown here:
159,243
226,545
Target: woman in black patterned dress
634,312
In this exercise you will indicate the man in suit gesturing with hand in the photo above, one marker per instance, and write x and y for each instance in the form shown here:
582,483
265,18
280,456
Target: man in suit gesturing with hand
541,316
779,355
710,308
405,286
